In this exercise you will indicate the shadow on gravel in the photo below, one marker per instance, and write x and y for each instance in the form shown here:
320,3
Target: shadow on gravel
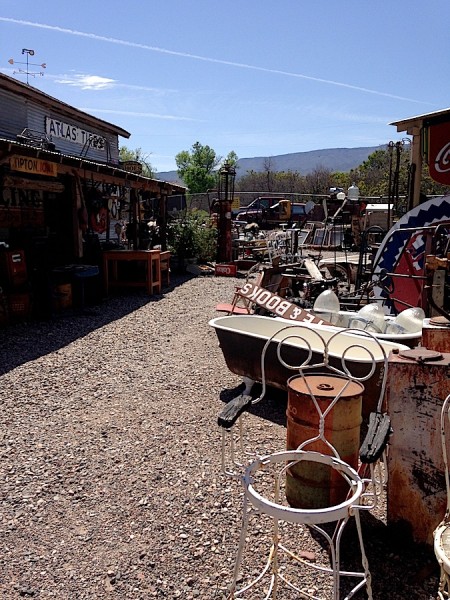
23,342
401,569
271,408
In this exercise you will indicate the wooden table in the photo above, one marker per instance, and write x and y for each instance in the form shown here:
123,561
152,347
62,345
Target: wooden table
152,274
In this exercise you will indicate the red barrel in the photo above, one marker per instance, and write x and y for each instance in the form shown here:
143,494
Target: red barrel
310,484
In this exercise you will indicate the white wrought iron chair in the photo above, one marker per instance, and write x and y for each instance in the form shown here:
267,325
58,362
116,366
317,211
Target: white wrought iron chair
442,532
265,481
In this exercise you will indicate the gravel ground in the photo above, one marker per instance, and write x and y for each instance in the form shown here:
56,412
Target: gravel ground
110,459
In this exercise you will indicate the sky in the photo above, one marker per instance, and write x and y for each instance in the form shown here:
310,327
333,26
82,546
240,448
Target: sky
255,77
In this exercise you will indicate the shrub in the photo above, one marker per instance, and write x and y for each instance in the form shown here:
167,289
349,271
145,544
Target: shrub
192,236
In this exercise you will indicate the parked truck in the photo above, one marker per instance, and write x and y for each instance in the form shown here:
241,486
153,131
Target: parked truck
270,211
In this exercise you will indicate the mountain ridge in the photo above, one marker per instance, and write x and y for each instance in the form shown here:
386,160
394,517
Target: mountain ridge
333,159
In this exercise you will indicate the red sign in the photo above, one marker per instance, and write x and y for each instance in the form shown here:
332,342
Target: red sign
439,152
227,270
278,305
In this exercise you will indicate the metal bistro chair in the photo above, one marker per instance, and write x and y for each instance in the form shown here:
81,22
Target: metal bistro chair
268,480
442,532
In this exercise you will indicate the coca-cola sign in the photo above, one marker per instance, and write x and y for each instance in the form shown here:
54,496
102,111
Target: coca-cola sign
439,152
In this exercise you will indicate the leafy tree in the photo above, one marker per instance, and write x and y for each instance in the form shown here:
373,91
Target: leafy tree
196,168
138,155
232,158
431,187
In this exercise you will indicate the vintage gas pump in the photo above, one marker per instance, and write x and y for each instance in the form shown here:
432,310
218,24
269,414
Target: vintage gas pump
227,175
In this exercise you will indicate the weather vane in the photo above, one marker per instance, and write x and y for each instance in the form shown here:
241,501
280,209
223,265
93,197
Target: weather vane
27,72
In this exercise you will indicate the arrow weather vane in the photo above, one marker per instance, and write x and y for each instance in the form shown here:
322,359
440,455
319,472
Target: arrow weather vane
29,53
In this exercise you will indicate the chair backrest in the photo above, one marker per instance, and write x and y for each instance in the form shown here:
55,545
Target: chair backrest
329,370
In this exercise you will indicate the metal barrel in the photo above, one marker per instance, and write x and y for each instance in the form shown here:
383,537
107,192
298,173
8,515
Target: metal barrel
311,484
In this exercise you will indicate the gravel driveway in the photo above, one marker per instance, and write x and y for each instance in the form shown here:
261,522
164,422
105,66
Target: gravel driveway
110,458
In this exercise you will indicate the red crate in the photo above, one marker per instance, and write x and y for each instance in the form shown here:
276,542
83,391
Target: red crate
19,305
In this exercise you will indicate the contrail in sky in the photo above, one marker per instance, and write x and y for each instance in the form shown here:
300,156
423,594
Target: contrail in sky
111,40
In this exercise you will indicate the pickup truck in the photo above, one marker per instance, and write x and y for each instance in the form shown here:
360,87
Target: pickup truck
268,211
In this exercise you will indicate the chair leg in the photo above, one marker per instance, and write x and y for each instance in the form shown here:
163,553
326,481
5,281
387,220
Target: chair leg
443,586
276,578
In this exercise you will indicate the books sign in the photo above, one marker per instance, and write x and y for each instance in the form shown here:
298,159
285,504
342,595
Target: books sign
277,305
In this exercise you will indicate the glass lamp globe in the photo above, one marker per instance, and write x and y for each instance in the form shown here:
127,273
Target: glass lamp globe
327,305
411,319
370,318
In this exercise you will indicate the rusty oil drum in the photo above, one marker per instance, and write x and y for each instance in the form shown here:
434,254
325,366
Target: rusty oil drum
310,484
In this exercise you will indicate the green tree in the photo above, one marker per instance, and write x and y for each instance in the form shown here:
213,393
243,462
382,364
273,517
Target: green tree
231,158
140,156
196,168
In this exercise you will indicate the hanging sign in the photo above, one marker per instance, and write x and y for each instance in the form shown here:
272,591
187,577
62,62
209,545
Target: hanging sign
439,152
278,305
25,164
132,166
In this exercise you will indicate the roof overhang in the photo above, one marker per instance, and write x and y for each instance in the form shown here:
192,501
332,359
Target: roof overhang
413,124
111,172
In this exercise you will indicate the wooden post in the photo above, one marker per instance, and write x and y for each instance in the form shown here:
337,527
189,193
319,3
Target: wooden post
416,160
163,218
75,191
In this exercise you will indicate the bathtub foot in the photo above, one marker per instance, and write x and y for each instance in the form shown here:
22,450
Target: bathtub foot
248,382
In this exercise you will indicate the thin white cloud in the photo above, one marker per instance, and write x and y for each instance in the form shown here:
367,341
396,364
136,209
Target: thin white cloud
97,82
88,82
130,113
112,40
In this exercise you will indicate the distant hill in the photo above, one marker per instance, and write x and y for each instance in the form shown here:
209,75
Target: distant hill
334,159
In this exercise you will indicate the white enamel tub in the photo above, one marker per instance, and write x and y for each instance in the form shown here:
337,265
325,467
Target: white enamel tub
242,339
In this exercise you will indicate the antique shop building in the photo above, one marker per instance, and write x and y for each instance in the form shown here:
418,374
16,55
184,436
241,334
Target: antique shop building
62,191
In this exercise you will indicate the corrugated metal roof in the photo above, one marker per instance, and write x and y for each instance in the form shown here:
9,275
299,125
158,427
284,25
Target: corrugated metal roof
82,163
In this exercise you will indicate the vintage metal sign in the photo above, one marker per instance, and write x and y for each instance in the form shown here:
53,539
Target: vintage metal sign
26,164
132,166
226,270
72,133
278,305
439,152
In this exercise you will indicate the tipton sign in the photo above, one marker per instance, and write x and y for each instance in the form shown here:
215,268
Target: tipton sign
277,305
25,164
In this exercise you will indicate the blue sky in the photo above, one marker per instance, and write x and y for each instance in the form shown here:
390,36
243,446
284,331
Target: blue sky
257,77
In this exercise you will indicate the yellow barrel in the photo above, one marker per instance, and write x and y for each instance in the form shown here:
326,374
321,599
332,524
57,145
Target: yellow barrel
310,484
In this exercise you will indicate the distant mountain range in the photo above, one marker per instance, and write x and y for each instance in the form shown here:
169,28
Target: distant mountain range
333,159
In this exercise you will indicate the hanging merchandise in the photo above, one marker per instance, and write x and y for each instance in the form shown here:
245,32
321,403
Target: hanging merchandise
99,220
114,209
